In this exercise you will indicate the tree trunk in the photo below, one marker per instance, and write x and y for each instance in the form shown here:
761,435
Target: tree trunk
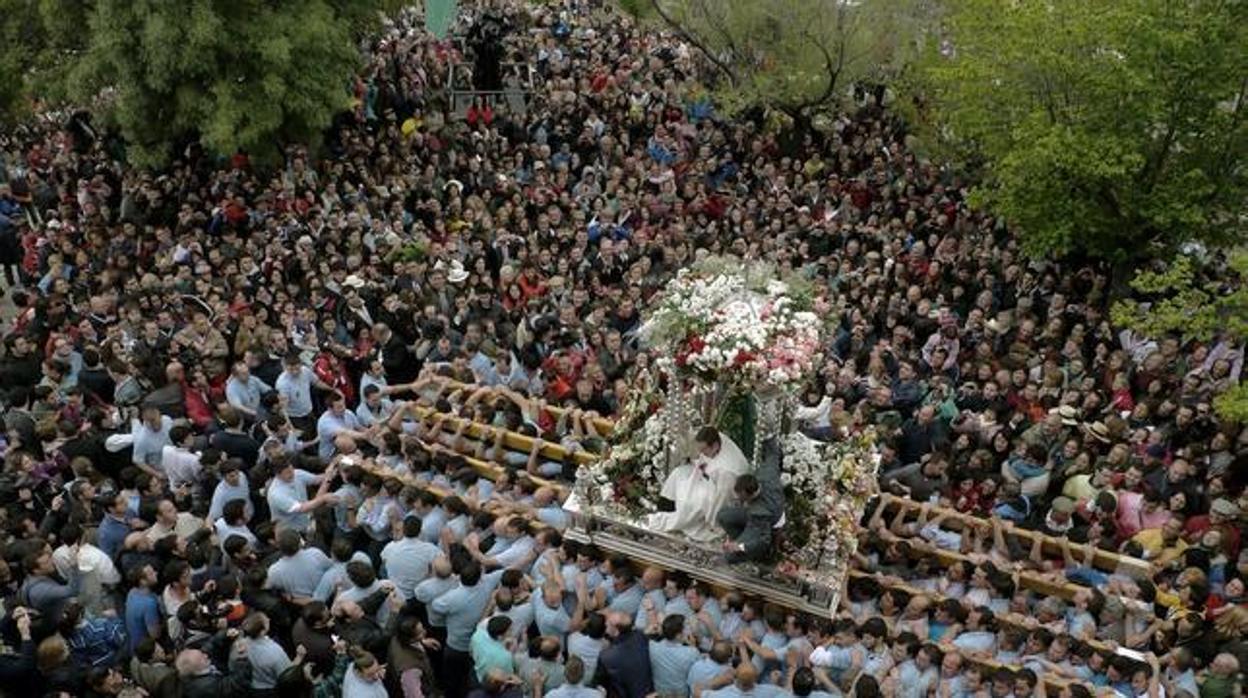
791,140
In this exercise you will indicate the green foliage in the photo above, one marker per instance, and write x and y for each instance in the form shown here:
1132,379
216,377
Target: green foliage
239,74
1110,128
738,418
1182,300
21,38
792,55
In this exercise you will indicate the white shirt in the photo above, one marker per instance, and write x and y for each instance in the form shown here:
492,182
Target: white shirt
224,531
90,559
148,443
180,465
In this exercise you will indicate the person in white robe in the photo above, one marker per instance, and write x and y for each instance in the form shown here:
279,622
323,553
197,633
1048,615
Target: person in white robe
701,487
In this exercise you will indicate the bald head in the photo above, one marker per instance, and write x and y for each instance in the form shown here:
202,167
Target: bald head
747,676
442,566
191,662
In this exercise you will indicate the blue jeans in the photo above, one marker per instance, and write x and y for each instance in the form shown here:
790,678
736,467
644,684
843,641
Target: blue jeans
1087,576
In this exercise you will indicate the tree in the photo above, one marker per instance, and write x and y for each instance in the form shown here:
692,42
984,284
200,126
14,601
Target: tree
1114,129
236,74
1202,302
795,56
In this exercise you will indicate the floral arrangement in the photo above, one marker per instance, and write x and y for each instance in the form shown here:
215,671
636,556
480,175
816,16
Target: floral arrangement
725,323
827,486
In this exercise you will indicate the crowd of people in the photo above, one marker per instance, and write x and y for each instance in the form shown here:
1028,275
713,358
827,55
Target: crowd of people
237,405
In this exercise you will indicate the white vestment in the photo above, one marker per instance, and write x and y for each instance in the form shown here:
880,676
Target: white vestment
699,489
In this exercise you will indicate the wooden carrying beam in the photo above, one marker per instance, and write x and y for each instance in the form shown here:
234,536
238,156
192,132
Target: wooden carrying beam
1051,682
718,584
1102,559
603,425
512,440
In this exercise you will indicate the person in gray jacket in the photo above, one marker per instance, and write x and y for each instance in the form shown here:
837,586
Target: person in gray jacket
751,521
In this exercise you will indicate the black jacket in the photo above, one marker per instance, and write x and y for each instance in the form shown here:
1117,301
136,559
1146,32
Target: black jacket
216,685
624,667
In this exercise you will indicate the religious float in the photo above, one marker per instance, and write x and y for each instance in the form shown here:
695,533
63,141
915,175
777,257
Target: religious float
735,343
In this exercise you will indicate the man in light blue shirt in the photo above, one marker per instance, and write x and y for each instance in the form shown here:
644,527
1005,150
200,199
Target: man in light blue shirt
374,408
432,516
407,562
334,578
513,546
746,685
463,607
574,678
267,658
233,522
435,586
299,569
233,485
840,655
705,616
243,391
550,616
288,495
151,435
654,602
671,659
767,652
625,593
714,670
741,615
295,385
916,677
521,614
336,421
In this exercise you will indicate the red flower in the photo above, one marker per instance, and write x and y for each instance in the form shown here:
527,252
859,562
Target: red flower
743,357
693,345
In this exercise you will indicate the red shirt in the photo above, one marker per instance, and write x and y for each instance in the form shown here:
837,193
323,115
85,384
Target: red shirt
334,376
198,405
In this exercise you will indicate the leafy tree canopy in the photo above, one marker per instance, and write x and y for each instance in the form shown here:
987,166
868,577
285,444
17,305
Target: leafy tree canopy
1197,302
240,74
1114,129
36,39
792,55
236,74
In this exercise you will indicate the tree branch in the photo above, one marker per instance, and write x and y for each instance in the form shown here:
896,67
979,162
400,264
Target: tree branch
688,36
834,73
719,28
